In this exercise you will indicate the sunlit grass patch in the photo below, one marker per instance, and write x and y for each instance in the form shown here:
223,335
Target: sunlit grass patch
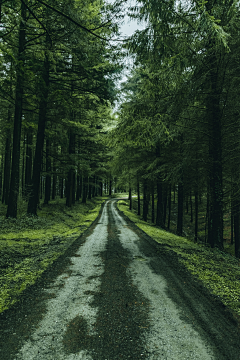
217,270
29,245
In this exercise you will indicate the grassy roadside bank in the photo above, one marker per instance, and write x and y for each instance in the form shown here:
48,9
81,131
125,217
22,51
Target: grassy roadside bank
29,245
218,271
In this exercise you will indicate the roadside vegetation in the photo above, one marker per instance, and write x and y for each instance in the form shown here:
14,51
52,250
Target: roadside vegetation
29,245
218,270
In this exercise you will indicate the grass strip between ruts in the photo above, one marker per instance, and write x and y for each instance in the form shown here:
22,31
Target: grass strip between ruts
218,271
29,245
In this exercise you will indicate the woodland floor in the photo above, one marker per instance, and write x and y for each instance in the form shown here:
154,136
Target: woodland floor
115,293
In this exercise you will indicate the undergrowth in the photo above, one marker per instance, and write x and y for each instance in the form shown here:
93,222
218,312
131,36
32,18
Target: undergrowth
29,245
218,271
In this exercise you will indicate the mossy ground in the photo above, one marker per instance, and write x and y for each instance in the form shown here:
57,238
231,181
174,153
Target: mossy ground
29,245
218,271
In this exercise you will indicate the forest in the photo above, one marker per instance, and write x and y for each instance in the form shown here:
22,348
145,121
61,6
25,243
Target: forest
173,141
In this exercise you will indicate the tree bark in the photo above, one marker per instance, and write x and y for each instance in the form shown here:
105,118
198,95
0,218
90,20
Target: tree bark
196,215
42,118
130,198
110,185
48,170
160,207
169,206
153,205
139,200
84,190
7,168
70,191
145,200
14,183
180,208
214,113
78,193
28,166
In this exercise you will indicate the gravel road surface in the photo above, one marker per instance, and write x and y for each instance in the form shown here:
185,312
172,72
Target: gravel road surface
115,295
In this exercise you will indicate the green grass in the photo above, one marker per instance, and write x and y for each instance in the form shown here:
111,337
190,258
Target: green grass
218,271
29,245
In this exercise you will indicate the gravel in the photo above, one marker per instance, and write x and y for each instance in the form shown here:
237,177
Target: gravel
115,294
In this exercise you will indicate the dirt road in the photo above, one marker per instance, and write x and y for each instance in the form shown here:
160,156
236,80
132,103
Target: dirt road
112,296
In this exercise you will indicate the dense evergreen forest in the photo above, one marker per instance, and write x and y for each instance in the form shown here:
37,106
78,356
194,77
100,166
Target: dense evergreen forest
174,140
58,72
178,129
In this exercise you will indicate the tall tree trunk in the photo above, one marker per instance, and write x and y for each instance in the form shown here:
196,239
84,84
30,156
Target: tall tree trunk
139,200
180,208
110,185
232,213
1,176
7,168
130,197
14,183
145,200
70,199
54,183
48,170
89,188
169,206
61,187
153,204
84,190
42,118
78,193
214,114
191,207
160,206
196,214
165,196
28,167
187,203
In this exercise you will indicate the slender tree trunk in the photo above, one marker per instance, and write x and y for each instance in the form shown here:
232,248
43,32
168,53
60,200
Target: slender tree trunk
153,205
54,183
160,205
23,164
110,185
37,164
214,114
1,176
61,187
89,188
180,208
130,198
191,207
78,195
70,198
236,227
94,186
139,200
7,169
28,167
169,206
84,190
48,176
196,215
145,200
14,183
232,213
165,196
187,203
